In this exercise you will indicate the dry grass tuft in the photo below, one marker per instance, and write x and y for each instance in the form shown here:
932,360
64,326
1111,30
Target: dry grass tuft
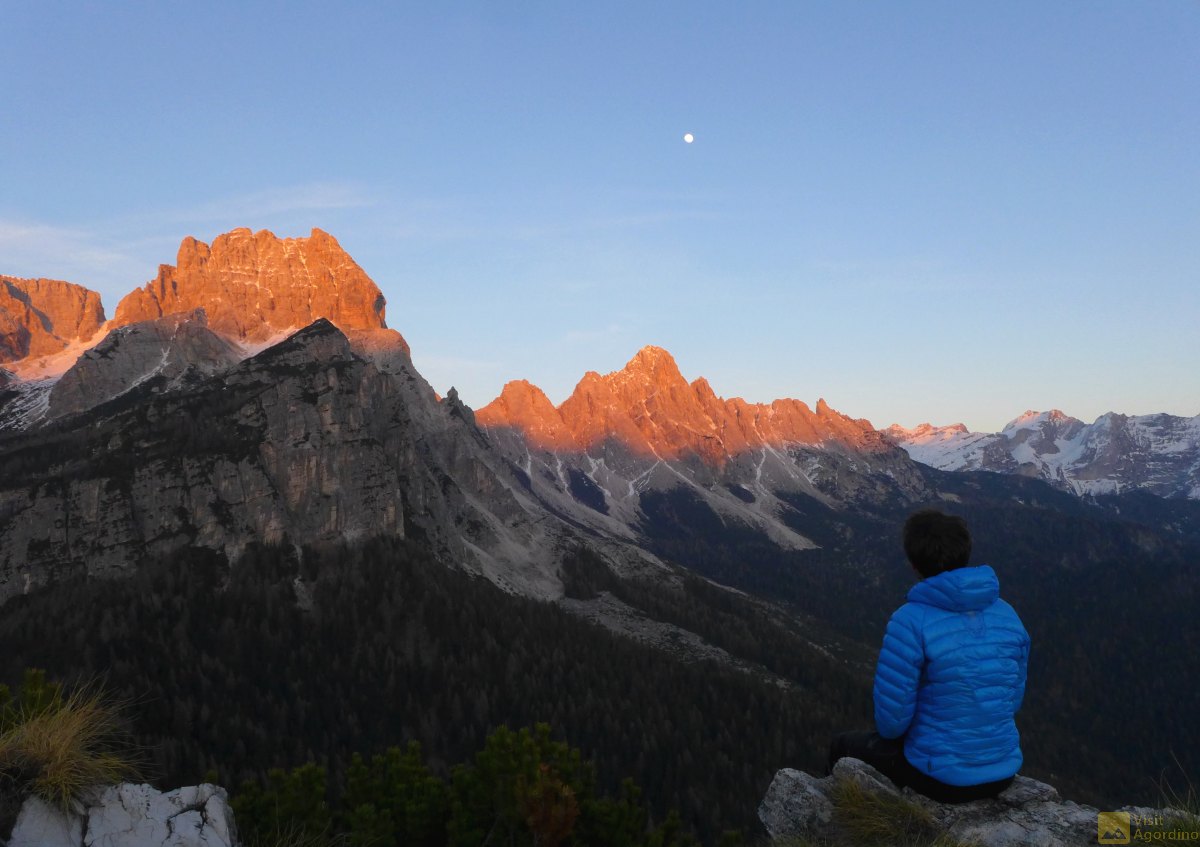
886,820
1184,804
62,749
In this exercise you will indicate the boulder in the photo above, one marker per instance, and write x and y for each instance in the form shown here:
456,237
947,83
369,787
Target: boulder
129,815
1026,814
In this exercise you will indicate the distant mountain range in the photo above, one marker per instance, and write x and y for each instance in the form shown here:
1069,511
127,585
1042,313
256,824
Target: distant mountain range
1155,453
248,290
321,428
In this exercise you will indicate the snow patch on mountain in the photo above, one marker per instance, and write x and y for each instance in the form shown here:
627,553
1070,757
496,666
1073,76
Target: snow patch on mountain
1158,453
24,404
947,448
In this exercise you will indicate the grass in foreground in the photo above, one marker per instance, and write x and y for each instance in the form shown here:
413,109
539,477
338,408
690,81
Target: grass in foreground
57,747
885,819
1184,810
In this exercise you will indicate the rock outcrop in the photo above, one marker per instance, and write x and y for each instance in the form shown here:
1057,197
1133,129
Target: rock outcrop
129,815
39,317
255,286
169,348
1027,814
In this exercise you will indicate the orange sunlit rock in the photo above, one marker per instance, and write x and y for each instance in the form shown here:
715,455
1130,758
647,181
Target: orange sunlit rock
40,317
523,406
254,285
649,407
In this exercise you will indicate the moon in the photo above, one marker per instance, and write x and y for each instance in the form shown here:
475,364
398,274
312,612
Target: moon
688,137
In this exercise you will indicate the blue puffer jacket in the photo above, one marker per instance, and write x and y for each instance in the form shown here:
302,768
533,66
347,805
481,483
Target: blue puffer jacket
951,676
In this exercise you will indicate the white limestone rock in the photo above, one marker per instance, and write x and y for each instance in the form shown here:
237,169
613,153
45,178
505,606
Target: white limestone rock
129,815
40,825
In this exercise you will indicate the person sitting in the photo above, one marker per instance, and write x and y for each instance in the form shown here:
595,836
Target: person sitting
950,676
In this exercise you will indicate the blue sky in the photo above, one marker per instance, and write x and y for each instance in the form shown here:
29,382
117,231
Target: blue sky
918,211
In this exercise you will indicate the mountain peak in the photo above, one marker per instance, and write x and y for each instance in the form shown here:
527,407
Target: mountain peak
1031,419
39,317
652,362
256,285
518,399
320,341
650,409
650,356
523,388
523,406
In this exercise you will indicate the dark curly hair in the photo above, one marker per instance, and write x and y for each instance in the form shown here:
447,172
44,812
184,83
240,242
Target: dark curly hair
936,542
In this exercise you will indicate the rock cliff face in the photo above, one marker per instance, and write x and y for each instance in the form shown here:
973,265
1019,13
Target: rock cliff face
1026,814
645,429
42,316
254,286
309,440
169,348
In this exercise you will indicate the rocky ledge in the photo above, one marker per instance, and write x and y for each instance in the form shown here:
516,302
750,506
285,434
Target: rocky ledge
130,815
1027,814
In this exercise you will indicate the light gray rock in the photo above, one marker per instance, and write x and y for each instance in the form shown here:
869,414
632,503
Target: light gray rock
129,815
795,804
1027,814
169,347
866,777
39,825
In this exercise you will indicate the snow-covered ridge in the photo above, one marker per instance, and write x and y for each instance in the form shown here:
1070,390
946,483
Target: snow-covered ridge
1156,453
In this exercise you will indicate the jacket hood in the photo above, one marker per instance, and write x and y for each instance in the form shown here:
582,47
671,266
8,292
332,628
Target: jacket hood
959,590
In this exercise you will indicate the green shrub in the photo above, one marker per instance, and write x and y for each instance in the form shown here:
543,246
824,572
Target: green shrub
394,799
523,789
291,805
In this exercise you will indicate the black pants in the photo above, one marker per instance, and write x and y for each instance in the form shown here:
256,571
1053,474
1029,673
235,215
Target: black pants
886,755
